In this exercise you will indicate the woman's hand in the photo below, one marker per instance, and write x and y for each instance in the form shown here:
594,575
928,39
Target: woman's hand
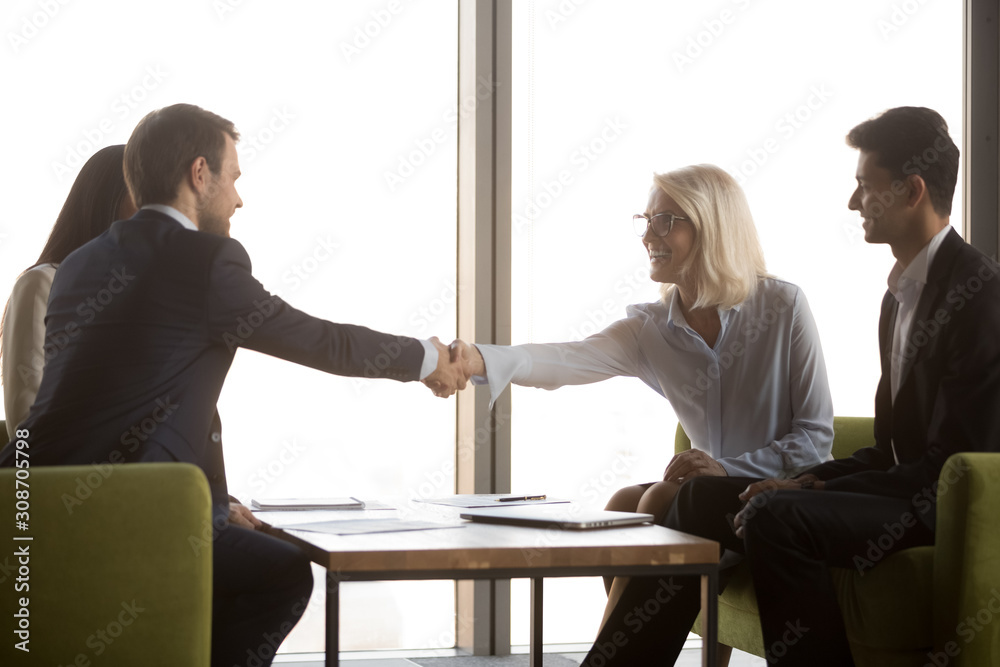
472,360
692,463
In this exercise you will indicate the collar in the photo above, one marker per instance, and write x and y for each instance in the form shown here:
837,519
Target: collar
901,280
675,316
173,213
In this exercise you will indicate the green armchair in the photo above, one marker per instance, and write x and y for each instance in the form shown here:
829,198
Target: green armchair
937,605
112,568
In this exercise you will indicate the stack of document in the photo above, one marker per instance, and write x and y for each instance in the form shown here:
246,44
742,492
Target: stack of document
276,504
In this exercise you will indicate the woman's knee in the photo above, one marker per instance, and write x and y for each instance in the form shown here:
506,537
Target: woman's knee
625,500
699,495
658,498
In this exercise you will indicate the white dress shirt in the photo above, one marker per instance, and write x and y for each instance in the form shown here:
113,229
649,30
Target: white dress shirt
907,284
758,401
430,361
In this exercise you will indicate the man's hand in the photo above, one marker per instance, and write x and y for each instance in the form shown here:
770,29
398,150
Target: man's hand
240,515
449,376
473,363
756,495
692,463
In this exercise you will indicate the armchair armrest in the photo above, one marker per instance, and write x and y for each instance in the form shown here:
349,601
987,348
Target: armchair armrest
967,560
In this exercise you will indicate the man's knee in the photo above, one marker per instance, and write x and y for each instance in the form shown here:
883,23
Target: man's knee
297,591
767,516
300,573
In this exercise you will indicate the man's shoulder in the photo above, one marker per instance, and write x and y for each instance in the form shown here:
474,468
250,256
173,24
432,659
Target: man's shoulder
962,259
151,244
165,236
967,273
163,228
967,298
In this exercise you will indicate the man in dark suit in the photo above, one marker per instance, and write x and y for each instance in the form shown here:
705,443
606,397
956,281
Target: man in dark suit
939,394
142,326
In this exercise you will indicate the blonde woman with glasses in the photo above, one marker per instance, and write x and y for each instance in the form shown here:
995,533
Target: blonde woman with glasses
733,349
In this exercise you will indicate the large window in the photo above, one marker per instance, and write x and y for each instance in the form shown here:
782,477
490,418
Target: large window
606,93
347,112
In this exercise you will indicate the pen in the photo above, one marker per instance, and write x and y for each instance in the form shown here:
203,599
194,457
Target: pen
511,499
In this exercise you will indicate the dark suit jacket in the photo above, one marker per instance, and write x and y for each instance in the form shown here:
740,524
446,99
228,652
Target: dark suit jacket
949,396
142,326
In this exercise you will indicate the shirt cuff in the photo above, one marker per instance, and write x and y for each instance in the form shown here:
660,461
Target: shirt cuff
766,462
430,359
503,364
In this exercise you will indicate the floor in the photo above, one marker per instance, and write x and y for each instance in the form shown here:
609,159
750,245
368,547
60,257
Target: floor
690,657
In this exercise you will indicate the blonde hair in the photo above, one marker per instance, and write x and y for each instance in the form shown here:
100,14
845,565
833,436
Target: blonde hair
726,260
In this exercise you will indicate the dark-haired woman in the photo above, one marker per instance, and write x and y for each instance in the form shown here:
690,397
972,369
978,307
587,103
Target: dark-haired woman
98,198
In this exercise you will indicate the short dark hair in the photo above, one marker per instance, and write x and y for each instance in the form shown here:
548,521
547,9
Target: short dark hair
165,143
913,140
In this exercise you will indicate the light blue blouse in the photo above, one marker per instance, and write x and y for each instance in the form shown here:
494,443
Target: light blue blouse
758,402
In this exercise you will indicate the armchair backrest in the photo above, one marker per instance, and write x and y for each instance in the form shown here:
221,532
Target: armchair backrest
109,562
849,435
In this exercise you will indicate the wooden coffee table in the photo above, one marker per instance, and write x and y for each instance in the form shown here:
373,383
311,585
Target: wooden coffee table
483,551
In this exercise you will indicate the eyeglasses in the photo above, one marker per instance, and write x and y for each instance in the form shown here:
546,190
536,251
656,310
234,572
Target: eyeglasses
661,223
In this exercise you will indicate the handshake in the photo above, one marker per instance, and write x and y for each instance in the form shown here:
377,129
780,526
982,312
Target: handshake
457,363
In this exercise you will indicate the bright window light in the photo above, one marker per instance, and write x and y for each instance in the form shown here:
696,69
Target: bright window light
347,112
606,93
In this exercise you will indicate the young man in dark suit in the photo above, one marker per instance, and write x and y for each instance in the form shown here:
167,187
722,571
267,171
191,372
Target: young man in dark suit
939,394
142,326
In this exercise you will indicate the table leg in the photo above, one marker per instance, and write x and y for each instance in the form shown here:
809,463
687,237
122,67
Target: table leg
709,614
535,645
332,620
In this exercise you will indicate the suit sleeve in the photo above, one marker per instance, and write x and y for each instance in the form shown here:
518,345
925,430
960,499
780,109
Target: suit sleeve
866,459
241,313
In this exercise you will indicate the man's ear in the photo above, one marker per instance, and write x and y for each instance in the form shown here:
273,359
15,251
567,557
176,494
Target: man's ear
916,189
199,175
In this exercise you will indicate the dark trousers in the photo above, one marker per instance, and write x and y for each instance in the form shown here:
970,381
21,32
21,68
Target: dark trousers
260,588
654,615
792,537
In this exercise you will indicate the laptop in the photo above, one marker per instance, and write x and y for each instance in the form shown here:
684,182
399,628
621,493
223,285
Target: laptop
561,517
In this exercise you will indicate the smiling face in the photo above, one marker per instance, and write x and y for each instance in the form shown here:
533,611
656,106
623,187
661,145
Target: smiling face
221,200
880,201
668,254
